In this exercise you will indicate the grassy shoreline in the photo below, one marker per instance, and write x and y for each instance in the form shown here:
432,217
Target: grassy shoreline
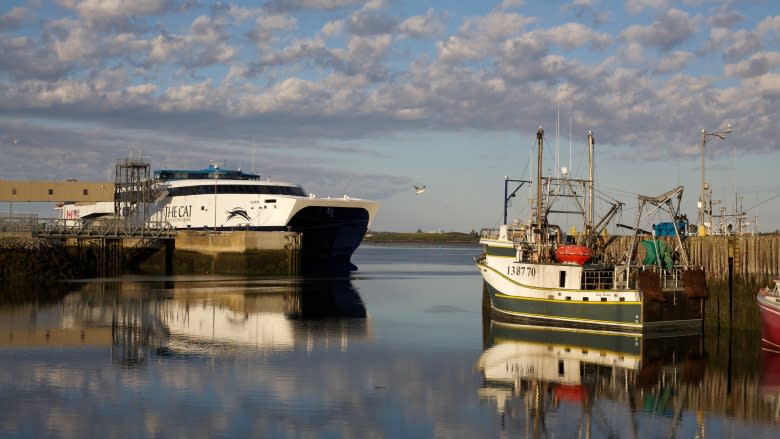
421,238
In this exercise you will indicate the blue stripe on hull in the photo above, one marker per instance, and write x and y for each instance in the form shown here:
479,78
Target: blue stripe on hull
617,342
613,315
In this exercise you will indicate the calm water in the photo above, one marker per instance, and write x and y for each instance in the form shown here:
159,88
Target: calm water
399,350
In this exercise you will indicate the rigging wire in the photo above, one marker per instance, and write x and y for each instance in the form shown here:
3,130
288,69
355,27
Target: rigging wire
763,202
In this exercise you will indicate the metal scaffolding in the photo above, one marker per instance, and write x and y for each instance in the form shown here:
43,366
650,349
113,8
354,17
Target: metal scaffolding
133,190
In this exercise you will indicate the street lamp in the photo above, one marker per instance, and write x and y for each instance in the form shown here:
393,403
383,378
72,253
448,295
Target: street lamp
704,135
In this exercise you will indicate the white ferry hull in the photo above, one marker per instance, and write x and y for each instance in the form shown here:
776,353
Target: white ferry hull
331,228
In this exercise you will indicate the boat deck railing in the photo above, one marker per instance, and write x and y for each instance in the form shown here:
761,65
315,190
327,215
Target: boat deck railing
19,223
109,228
668,278
598,279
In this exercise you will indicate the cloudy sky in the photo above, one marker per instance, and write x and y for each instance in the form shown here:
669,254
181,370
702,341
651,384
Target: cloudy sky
368,98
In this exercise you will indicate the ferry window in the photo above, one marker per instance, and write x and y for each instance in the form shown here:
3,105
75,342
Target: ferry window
562,279
51,191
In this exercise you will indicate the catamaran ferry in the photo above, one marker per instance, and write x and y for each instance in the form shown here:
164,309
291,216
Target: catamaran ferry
219,199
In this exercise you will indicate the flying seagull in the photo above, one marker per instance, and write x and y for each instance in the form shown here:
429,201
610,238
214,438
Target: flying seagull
419,189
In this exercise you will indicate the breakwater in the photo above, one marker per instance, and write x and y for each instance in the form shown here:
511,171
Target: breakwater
237,252
30,269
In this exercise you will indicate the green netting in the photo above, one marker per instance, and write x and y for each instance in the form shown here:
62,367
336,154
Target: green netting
664,255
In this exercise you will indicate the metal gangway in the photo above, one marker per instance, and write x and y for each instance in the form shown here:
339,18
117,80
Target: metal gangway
104,228
100,228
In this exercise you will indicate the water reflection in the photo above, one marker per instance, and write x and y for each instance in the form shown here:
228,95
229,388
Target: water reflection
769,387
192,316
597,380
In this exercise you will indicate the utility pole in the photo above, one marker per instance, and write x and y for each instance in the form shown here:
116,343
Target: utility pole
702,207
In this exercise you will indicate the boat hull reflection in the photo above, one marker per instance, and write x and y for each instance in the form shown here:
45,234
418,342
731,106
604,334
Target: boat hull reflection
223,320
531,372
769,386
193,316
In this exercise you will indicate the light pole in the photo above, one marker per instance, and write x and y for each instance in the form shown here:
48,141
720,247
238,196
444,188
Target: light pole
704,135
215,168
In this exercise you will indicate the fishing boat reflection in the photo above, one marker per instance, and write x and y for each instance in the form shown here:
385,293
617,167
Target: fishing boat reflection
533,373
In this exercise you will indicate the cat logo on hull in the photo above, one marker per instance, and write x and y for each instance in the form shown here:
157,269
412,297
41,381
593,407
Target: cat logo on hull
238,212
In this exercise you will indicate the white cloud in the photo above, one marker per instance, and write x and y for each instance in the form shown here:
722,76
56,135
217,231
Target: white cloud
100,10
13,18
637,6
333,28
164,48
189,97
495,25
80,44
142,89
455,49
673,62
482,37
669,30
363,55
266,25
743,44
633,52
296,52
769,84
421,26
294,5
510,4
758,64
243,14
573,35
60,92
769,26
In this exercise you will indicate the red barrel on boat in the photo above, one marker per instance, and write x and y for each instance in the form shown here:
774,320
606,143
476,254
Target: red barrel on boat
579,254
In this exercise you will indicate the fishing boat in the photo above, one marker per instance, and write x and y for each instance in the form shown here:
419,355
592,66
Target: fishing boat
769,307
535,272
222,200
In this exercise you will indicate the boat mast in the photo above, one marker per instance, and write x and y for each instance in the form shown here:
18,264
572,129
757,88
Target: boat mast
589,220
539,220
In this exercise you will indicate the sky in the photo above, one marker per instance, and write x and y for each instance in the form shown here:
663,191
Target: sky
368,98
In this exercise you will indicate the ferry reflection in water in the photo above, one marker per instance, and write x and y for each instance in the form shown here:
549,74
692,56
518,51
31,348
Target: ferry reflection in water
191,316
587,383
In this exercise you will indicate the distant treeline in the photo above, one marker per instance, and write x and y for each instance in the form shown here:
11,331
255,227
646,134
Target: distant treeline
420,236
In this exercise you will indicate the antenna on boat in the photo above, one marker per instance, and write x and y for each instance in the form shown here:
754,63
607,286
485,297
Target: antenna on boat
591,144
540,145
558,133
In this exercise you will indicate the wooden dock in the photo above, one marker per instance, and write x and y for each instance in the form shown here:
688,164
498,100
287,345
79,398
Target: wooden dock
736,267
